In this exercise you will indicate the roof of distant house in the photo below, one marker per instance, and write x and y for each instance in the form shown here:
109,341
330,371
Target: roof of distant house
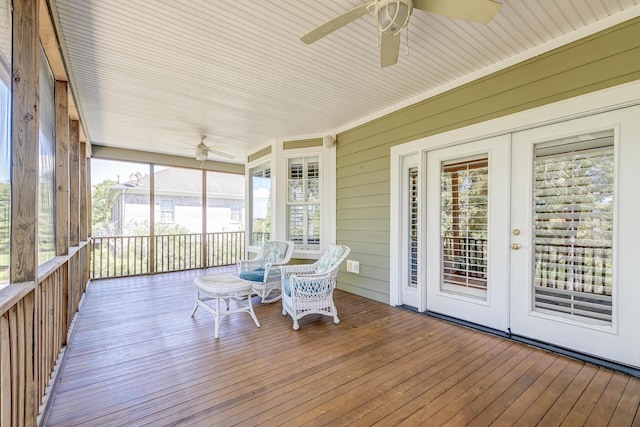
180,181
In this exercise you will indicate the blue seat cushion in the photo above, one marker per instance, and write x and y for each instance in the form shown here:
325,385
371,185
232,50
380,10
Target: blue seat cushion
256,275
286,286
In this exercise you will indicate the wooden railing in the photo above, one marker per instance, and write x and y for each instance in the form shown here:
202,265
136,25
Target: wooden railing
34,323
119,256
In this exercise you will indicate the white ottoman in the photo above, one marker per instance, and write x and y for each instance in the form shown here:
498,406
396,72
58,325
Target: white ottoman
223,287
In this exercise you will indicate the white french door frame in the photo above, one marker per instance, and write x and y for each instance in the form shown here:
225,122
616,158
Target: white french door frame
492,310
618,97
620,340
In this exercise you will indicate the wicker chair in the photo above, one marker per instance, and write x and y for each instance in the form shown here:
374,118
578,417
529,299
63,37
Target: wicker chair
308,288
264,268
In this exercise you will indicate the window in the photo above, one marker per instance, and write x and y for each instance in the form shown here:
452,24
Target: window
260,191
167,211
464,226
236,211
303,202
413,227
573,228
47,164
5,139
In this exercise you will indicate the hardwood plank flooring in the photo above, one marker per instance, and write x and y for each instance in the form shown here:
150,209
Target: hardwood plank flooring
137,358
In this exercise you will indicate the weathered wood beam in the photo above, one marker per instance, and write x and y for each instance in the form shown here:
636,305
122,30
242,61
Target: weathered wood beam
204,255
25,124
62,168
84,230
74,183
152,220
89,205
24,136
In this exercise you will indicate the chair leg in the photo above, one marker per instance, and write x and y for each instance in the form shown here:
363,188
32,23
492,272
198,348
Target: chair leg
272,299
334,310
196,305
253,315
217,318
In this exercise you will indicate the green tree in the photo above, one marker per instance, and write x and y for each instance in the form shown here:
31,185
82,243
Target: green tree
101,206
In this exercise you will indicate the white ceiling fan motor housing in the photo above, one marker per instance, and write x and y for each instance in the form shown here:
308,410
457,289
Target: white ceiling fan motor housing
393,15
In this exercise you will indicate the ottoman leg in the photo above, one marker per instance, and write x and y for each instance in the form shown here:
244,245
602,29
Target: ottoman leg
217,318
253,315
195,307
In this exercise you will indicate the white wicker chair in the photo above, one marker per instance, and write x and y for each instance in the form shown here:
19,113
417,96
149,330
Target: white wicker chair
308,288
264,268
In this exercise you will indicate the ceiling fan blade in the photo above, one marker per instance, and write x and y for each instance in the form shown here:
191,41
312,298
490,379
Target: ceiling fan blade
470,10
337,22
222,154
389,49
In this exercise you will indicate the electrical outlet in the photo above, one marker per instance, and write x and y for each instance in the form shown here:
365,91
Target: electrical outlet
353,266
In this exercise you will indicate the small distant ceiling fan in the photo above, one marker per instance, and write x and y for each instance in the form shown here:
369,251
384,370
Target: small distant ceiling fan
203,150
393,15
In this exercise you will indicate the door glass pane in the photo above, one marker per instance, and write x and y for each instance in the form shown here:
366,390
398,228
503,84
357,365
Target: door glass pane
413,227
573,228
463,226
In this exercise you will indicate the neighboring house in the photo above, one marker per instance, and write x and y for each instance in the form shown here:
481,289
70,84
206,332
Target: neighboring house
178,201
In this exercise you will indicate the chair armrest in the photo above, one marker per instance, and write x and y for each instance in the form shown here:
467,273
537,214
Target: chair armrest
312,285
297,269
248,264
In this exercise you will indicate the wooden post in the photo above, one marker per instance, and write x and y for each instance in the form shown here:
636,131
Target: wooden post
62,168
25,140
25,123
83,192
152,220
74,183
89,199
203,252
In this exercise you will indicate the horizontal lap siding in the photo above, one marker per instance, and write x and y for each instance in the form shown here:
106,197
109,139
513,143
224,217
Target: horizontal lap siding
603,60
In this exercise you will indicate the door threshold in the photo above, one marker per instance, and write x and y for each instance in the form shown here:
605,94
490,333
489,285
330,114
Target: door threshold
626,369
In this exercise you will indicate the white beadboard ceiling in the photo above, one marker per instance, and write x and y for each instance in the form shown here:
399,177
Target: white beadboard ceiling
155,74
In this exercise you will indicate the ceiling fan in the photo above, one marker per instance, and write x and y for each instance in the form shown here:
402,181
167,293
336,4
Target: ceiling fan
393,15
203,150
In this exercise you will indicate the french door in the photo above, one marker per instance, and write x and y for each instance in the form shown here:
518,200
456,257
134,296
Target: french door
467,229
574,218
537,233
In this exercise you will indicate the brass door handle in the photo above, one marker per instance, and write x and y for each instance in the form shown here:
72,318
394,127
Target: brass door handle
515,246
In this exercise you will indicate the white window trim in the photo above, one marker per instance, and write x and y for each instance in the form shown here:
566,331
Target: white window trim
304,203
327,161
278,159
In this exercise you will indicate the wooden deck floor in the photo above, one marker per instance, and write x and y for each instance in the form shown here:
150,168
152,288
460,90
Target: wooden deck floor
138,358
